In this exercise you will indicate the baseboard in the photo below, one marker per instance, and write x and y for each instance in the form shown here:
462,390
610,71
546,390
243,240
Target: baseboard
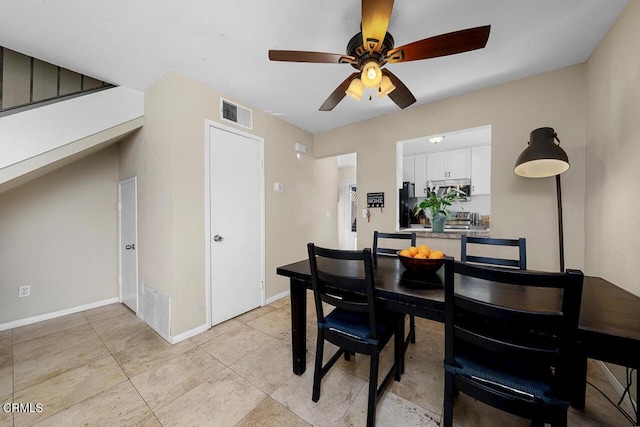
277,297
202,328
188,334
619,388
53,315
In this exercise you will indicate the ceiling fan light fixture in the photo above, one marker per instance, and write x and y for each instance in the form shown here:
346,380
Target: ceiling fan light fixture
356,89
385,87
371,74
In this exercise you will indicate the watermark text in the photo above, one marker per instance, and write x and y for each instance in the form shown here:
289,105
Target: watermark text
22,407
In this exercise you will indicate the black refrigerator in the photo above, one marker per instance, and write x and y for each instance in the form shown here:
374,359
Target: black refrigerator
407,200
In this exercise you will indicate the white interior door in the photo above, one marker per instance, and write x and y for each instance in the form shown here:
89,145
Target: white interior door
236,223
350,214
128,248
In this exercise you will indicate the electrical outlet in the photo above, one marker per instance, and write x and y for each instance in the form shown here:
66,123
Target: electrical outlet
24,291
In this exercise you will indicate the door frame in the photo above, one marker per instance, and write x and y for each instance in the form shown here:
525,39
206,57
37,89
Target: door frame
208,124
346,214
135,191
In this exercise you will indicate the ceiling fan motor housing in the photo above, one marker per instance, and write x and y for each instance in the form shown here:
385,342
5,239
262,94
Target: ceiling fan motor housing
356,49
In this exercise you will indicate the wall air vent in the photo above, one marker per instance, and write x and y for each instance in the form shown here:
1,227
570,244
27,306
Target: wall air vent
236,114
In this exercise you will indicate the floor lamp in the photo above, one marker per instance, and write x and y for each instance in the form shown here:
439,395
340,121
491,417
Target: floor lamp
541,159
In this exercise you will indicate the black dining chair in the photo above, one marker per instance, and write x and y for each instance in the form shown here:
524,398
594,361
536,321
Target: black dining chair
344,280
519,358
519,263
385,251
407,238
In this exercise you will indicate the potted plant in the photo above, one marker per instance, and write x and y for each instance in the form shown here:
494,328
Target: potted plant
437,207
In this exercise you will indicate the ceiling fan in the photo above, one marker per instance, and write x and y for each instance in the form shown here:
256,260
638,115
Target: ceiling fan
372,48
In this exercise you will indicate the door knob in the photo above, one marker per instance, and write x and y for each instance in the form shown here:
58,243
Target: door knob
129,247
217,238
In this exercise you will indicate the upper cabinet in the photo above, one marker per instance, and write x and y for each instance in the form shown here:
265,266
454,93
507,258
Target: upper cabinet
408,169
452,164
414,169
420,165
465,163
481,170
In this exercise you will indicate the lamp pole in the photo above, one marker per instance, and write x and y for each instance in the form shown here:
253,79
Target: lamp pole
560,227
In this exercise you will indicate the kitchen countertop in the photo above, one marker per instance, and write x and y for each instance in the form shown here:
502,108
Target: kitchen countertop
447,234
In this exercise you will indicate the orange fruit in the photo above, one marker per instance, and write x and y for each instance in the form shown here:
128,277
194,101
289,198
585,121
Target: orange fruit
420,256
413,250
405,252
422,249
436,254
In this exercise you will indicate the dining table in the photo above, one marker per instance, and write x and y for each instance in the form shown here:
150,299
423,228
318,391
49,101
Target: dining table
608,329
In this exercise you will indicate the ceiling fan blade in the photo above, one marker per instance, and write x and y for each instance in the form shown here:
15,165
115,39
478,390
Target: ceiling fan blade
442,45
375,20
402,96
316,57
338,94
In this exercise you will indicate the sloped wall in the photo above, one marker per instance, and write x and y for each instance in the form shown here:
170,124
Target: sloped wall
35,138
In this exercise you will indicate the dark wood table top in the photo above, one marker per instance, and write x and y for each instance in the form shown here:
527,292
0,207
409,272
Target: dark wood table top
609,315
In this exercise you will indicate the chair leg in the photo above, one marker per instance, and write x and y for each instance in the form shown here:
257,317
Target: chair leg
317,372
411,336
398,349
373,390
448,400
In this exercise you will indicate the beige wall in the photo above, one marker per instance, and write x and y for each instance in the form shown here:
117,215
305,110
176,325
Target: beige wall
613,150
168,158
60,235
520,207
612,153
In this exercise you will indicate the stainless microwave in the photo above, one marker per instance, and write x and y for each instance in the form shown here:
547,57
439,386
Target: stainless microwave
443,186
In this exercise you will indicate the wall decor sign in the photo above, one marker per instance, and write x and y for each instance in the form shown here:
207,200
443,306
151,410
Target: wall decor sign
375,200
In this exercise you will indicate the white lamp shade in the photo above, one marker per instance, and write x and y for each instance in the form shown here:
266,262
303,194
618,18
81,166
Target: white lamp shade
541,168
371,74
356,89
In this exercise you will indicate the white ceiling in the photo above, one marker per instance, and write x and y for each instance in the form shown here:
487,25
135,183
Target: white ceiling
224,43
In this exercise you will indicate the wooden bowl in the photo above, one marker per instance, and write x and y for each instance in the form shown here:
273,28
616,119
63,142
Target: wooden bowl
421,265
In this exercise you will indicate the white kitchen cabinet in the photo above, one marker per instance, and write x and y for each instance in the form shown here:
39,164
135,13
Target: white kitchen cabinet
436,166
452,164
420,174
414,169
481,170
408,169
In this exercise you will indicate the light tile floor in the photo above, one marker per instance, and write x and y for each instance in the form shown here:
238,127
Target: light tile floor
106,367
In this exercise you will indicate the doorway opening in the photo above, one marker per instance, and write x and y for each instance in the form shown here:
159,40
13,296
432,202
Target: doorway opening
347,202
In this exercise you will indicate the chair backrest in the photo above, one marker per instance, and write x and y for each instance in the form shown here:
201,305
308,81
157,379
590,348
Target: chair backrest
521,243
535,328
339,273
377,250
